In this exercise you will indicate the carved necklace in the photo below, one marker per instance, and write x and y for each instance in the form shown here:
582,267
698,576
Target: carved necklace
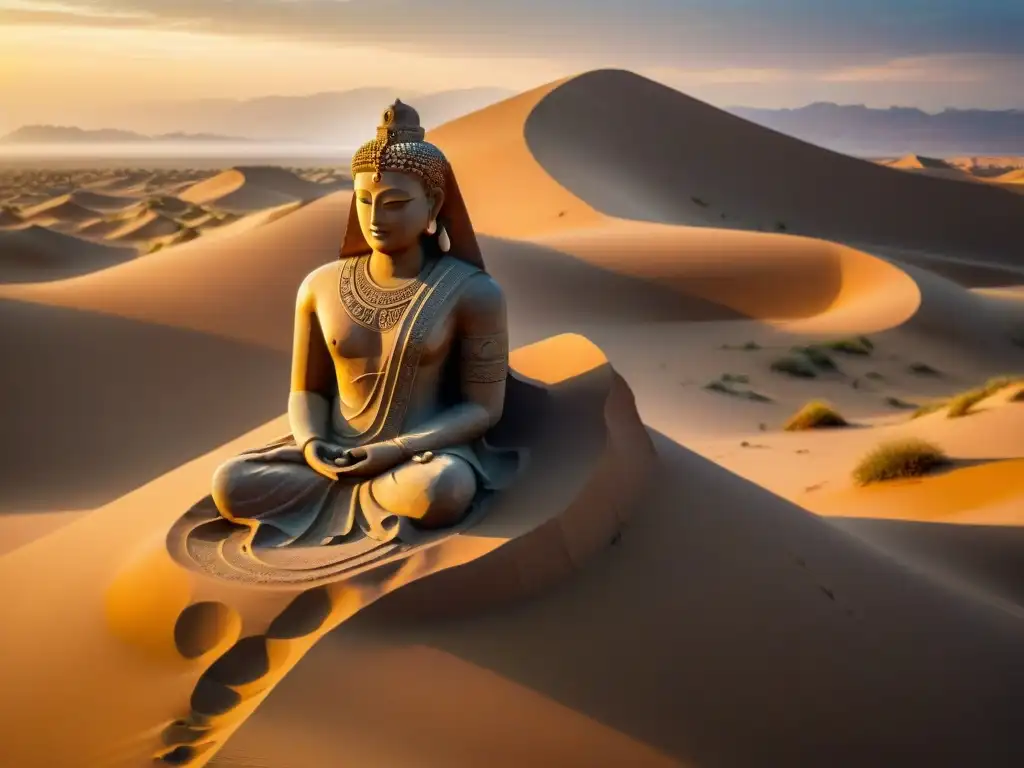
370,305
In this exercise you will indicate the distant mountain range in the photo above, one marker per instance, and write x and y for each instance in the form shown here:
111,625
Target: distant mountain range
59,134
347,118
860,130
339,118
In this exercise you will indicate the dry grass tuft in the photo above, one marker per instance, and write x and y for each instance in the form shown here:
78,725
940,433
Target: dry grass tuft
815,415
899,459
962,404
927,408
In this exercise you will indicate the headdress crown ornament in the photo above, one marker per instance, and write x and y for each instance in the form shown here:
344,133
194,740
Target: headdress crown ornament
400,146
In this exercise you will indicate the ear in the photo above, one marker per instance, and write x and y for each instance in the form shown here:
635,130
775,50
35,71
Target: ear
436,198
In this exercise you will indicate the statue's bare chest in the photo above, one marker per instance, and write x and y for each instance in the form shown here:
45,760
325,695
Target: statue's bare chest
361,322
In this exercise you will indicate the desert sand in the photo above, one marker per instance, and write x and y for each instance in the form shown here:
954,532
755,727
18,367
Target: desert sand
755,607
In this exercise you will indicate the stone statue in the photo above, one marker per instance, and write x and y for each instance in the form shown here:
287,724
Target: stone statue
399,365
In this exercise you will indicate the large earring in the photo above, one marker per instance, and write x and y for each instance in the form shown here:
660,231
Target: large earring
442,240
432,227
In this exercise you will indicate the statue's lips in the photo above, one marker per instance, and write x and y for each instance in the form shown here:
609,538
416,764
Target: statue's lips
378,234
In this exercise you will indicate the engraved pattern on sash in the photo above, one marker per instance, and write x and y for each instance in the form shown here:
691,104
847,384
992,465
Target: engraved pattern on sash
422,323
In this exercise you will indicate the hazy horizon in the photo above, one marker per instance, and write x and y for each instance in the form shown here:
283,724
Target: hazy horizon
103,63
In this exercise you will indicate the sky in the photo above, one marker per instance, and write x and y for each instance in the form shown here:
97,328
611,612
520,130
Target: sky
75,61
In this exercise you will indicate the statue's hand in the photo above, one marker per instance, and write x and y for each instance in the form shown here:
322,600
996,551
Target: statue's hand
373,459
326,458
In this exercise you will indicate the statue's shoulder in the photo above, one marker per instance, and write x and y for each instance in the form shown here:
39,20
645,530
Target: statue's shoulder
319,279
481,294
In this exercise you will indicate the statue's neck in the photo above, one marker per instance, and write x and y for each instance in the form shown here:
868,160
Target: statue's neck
396,267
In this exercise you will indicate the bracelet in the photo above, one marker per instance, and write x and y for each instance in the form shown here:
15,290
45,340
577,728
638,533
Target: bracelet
407,452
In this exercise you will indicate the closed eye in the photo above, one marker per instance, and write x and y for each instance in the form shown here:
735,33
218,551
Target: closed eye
395,203
363,200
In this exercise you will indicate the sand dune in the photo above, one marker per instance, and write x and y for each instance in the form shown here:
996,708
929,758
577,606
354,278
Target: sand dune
1011,177
61,210
10,219
151,218
676,160
36,252
727,596
921,163
97,201
760,612
249,188
124,184
147,226
234,288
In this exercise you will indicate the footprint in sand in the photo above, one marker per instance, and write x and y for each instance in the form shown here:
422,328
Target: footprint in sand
245,670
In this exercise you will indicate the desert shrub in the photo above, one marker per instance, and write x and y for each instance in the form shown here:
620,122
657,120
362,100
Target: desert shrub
895,402
719,386
861,345
795,365
748,346
897,459
815,415
735,378
922,369
780,226
819,357
874,376
726,386
698,201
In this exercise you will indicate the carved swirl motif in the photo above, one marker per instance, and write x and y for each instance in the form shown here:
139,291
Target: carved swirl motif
373,307
485,358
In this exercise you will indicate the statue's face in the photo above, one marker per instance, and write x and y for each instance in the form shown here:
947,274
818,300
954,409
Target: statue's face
394,211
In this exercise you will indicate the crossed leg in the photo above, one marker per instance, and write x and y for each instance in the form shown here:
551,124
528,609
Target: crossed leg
435,493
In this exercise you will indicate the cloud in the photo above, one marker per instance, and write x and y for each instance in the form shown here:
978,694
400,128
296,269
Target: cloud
690,34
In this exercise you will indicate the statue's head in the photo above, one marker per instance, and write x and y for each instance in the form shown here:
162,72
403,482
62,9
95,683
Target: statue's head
399,181
406,189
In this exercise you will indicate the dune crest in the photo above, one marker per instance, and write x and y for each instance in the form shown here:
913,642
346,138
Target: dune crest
635,149
245,189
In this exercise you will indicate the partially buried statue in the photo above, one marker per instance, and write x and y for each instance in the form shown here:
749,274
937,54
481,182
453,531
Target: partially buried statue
399,364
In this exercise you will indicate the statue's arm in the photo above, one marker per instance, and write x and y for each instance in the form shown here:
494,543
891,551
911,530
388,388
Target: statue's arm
482,346
312,371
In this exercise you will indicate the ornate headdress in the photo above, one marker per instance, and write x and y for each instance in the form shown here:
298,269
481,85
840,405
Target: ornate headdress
400,145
